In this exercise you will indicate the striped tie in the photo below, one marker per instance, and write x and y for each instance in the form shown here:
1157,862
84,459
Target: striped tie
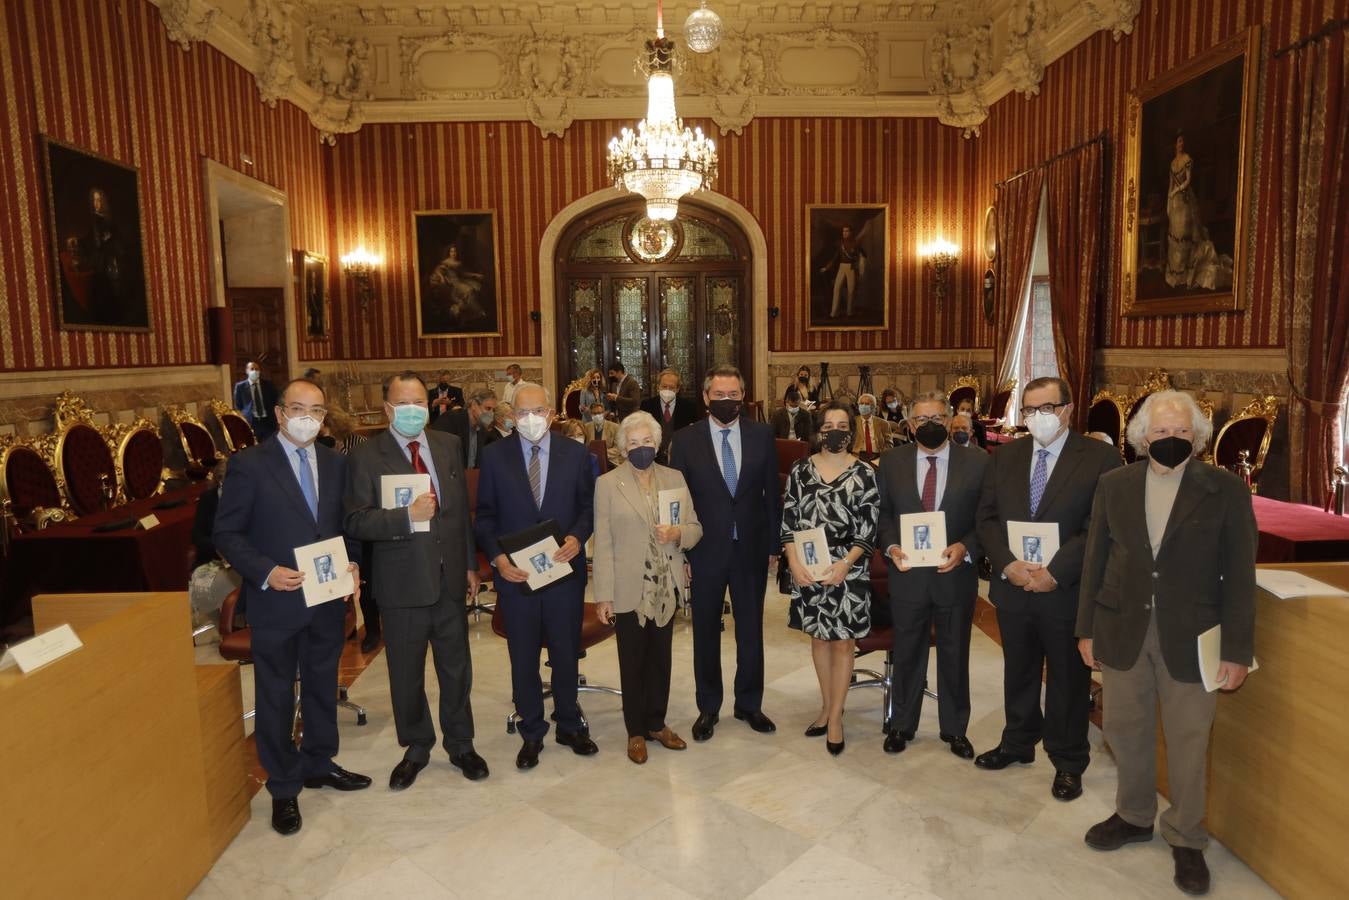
1037,481
728,471
535,475
307,486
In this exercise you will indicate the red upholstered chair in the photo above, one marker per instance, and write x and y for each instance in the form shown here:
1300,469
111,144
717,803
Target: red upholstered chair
1249,430
966,387
197,442
789,452
28,487
234,427
485,571
1106,415
600,451
593,631
140,460
571,400
881,638
87,469
997,404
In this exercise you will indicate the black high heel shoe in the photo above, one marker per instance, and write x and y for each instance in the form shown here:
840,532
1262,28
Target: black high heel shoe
834,749
817,730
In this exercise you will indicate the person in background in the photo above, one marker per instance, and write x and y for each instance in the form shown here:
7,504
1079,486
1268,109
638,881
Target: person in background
966,408
892,408
962,430
503,423
1170,554
598,428
871,433
254,397
791,422
1101,436
339,431
640,576
471,424
514,376
804,386
626,396
593,392
443,396
836,491
671,409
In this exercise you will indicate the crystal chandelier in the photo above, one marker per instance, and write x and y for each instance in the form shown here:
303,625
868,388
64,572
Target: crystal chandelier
702,29
662,160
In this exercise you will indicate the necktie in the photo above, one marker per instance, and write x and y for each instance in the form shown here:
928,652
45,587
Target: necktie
728,461
667,414
307,486
419,466
473,448
1037,480
535,475
866,426
930,486
259,411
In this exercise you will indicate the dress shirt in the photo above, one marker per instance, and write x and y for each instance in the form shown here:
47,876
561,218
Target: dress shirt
791,421
734,437
1055,450
423,450
543,459
508,395
943,466
294,459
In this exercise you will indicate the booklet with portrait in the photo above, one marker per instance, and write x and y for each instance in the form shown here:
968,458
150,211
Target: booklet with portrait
398,492
922,537
324,565
1033,542
812,549
1210,646
532,549
672,505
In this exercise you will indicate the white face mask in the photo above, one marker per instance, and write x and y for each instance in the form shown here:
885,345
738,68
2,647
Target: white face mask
303,429
667,396
598,419
1044,427
531,427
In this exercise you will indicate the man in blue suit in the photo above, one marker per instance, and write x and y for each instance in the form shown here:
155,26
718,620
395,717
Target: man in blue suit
254,397
731,467
527,478
279,495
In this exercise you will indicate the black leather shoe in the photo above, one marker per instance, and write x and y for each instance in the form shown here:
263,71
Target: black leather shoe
704,726
370,643
998,758
817,730
1114,833
528,757
471,764
1191,870
756,720
1067,786
960,745
895,742
286,816
403,774
340,779
579,742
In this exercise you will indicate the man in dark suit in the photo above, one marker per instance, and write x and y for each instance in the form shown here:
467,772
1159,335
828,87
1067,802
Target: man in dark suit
472,425
933,474
627,393
421,577
1170,554
731,466
528,478
279,495
671,409
442,396
1048,478
254,397
791,422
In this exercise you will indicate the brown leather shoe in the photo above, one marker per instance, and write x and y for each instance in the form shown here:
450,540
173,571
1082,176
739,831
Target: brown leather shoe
1191,870
637,749
668,739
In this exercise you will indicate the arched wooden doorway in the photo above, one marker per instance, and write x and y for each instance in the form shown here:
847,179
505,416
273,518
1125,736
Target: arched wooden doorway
679,299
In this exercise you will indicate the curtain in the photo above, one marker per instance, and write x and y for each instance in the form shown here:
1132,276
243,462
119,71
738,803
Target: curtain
1073,186
1313,251
1017,211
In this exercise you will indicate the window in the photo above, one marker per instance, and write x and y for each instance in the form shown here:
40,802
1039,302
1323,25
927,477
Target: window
1030,345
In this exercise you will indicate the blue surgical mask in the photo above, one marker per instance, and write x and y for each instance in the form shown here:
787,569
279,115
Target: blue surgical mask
865,409
254,374
409,420
485,419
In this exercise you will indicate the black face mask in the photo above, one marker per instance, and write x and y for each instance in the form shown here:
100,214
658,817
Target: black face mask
642,457
931,434
961,437
804,379
835,441
725,410
1171,451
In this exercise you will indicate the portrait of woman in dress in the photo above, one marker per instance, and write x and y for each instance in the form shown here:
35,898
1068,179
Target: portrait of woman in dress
1191,259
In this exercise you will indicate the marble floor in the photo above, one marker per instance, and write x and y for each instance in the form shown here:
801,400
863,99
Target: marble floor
744,815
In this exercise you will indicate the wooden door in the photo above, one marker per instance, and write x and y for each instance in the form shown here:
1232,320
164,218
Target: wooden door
260,331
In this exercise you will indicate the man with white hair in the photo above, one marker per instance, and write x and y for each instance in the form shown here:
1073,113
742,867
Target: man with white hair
871,433
1170,554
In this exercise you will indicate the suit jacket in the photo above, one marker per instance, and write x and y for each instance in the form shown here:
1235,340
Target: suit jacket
685,412
629,397
262,517
1203,574
880,441
456,422
1066,502
408,565
455,393
608,434
754,513
898,473
243,401
805,424
506,504
623,524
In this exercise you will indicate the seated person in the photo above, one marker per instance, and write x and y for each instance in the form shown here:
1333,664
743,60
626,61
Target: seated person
871,433
962,430
966,408
892,408
792,421
503,424
443,396
598,428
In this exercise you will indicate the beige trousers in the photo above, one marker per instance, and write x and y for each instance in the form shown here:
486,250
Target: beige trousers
1131,701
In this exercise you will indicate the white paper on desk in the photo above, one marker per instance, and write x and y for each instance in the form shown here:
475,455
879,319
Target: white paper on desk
537,560
1286,585
1210,658
325,571
398,492
1033,542
41,649
812,548
922,537
672,506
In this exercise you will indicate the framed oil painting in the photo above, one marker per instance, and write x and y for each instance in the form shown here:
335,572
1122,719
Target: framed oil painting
1187,191
93,204
458,276
311,288
847,261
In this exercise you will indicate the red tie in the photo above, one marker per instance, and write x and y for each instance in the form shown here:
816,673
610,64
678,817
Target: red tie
930,486
667,414
420,467
866,424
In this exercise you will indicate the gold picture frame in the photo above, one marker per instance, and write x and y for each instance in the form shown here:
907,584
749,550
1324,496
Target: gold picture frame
1185,219
868,225
458,273
311,292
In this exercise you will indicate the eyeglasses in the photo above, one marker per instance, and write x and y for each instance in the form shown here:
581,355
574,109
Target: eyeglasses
295,411
940,418
535,411
1048,409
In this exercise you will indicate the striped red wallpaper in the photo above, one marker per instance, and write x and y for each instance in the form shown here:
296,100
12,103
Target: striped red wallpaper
775,168
102,75
1085,92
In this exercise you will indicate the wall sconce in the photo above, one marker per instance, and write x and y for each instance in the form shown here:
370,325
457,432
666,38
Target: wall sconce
940,255
360,265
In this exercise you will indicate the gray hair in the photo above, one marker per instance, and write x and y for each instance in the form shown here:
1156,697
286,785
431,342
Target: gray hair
1177,400
723,372
930,397
482,395
547,394
679,379
637,420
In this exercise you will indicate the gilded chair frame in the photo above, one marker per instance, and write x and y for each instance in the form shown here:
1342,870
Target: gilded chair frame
1266,408
965,381
572,388
180,417
72,412
1122,406
122,434
39,517
220,409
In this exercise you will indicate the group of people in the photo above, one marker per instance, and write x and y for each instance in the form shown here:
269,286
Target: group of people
1147,557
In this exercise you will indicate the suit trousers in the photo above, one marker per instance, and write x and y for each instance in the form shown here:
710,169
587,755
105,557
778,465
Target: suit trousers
746,578
1130,725
408,631
914,618
550,619
1032,641
313,651
644,672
